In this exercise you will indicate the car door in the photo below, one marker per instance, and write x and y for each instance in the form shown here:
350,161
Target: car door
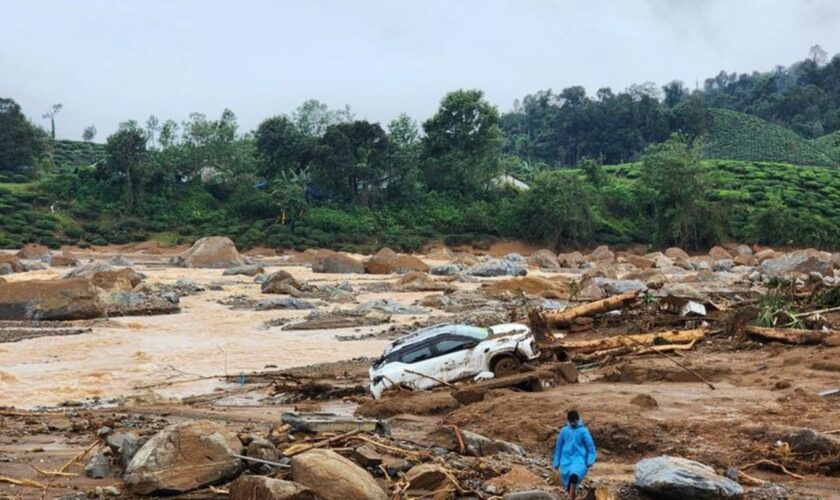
455,359
414,363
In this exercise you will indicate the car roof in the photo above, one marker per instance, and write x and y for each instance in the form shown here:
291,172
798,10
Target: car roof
433,331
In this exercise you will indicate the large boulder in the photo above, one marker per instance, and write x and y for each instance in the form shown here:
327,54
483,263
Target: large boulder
10,264
430,481
676,253
266,488
571,260
797,262
333,477
50,300
719,253
544,259
639,261
246,270
416,281
742,250
280,282
105,276
33,251
602,254
337,263
675,478
64,259
386,261
212,251
497,267
184,457
127,303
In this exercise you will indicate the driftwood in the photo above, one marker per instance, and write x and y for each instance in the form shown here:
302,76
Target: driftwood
788,335
773,465
563,318
632,349
22,482
575,347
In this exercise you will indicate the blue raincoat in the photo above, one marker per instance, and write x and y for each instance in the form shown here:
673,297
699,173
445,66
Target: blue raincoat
574,452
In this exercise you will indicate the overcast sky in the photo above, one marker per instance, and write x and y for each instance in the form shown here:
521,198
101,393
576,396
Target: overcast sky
109,61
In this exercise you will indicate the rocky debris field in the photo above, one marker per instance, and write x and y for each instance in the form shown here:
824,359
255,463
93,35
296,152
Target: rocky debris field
212,374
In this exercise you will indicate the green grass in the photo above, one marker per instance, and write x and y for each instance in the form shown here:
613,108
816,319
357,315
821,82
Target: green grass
77,153
738,136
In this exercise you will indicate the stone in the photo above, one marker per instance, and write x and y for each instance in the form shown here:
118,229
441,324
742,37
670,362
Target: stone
745,260
723,265
333,477
279,282
644,401
128,448
262,449
798,262
614,286
601,254
497,267
213,252
98,467
124,279
64,299
32,265
639,261
676,253
811,442
386,261
416,281
544,259
12,263
33,251
719,253
765,254
742,251
64,259
446,270
141,303
572,260
183,457
518,478
388,306
336,263
430,480
246,270
675,478
284,303
266,488
120,261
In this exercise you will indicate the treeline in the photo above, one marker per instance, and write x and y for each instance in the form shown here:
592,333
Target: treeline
468,174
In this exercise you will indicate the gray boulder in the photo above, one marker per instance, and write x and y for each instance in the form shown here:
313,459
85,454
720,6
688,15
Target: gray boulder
497,267
142,303
266,488
98,467
283,303
675,478
388,306
613,286
798,262
120,261
723,265
247,270
445,270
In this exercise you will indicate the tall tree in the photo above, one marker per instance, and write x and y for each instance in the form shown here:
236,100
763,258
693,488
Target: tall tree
21,142
125,158
89,133
463,143
54,109
281,146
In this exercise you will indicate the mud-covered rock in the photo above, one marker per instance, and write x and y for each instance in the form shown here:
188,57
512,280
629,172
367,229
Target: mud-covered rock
719,253
544,259
430,480
417,281
33,251
333,477
284,303
446,269
50,300
64,259
572,260
497,267
675,478
280,282
246,270
791,264
336,263
601,254
10,264
184,457
266,488
386,261
121,303
98,466
676,253
210,252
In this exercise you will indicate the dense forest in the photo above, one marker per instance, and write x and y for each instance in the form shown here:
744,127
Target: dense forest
746,157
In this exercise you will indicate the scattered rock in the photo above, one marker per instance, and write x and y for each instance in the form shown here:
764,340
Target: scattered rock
497,267
33,251
544,259
262,449
602,254
184,457
10,264
797,262
388,306
474,444
644,401
811,442
719,253
246,270
554,288
765,254
723,265
284,303
677,478
266,488
333,477
117,280
336,263
571,260
120,261
141,303
742,251
50,300
518,478
64,259
280,282
446,269
417,281
745,260
676,253
386,261
430,481
640,262
212,252
98,467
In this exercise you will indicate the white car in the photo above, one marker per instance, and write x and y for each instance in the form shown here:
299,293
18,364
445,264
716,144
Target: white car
451,352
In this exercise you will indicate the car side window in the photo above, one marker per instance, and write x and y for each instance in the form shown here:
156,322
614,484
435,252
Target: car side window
449,345
416,355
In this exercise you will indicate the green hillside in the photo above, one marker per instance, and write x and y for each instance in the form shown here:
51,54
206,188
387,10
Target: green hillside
77,153
830,143
738,136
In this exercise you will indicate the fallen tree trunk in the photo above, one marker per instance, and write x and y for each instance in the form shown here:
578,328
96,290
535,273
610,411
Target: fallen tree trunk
563,318
648,339
789,335
633,349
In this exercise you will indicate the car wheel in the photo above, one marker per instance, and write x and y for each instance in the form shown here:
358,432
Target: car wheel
506,365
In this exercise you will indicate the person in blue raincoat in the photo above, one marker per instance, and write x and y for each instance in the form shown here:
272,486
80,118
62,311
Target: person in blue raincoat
574,452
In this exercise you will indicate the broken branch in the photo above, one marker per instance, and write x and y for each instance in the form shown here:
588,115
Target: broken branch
22,482
562,318
292,450
788,335
775,465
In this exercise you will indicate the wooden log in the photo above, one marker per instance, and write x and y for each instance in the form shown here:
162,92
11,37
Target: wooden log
649,339
633,349
563,318
788,335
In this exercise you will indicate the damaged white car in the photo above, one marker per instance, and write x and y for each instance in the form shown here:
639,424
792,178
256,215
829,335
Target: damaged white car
449,352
